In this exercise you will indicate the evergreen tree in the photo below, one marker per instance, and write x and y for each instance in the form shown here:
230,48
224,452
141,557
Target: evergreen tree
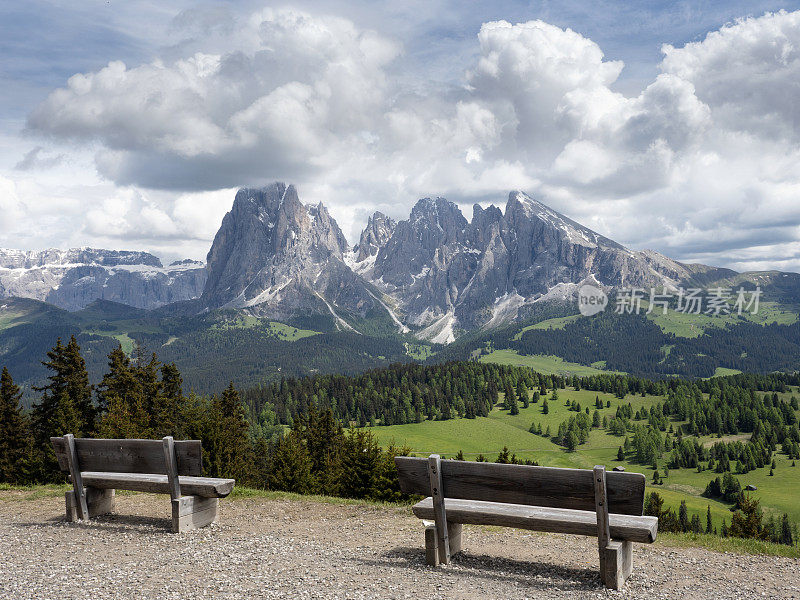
504,456
709,525
695,524
168,410
146,372
571,441
16,441
545,407
620,454
227,441
746,520
121,395
289,465
522,393
78,388
58,412
683,516
361,463
786,531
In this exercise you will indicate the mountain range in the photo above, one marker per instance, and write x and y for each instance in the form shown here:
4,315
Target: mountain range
436,274
73,279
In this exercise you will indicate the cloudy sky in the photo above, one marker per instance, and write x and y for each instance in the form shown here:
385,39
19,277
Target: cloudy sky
673,126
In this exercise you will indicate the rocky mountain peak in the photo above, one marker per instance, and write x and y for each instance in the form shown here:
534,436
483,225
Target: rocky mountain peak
277,257
522,208
440,214
375,235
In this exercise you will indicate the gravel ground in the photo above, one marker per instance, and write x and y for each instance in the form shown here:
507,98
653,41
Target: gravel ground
302,549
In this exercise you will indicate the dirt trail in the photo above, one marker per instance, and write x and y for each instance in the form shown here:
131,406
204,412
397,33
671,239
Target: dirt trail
304,549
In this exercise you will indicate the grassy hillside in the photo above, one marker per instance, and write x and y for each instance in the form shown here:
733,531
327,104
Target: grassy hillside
488,436
210,349
551,365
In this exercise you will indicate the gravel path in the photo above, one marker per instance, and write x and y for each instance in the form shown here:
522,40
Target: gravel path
302,549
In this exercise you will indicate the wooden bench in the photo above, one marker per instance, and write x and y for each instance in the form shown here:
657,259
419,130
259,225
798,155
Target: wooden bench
97,467
575,501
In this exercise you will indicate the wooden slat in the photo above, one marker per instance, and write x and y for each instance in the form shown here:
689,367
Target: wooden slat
439,516
131,456
536,518
601,509
208,487
171,463
74,465
522,484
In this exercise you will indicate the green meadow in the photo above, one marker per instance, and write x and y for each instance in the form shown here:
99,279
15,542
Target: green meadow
488,436
550,365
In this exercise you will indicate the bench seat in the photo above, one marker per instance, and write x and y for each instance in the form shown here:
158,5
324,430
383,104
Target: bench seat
537,518
206,487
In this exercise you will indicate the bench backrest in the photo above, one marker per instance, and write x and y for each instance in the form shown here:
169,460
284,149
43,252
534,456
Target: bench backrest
523,484
129,456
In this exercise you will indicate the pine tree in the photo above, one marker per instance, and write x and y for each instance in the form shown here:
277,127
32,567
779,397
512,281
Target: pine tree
361,464
121,396
683,516
695,524
620,454
709,525
78,388
289,465
168,413
58,412
147,372
571,441
746,520
227,438
16,441
545,407
522,393
786,531
504,456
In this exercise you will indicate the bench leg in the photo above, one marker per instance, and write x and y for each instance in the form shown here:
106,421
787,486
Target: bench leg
193,512
618,564
99,502
454,533
433,557
431,546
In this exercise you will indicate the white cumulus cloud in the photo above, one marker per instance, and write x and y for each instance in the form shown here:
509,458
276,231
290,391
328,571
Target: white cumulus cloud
702,163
